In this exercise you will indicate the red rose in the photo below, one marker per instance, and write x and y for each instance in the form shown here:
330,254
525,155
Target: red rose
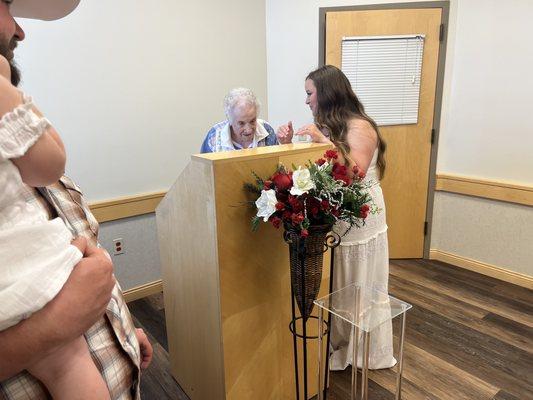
286,215
320,161
361,175
339,169
364,210
346,179
331,154
295,204
340,173
355,170
297,219
283,197
325,204
282,181
280,206
304,233
267,185
276,221
313,206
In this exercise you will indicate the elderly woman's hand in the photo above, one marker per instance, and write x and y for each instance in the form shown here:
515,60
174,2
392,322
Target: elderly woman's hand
316,135
285,133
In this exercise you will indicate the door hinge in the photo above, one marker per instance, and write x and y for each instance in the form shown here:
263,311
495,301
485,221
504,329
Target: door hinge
433,136
425,228
441,33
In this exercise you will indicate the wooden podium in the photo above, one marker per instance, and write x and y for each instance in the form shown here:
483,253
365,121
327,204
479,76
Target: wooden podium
226,288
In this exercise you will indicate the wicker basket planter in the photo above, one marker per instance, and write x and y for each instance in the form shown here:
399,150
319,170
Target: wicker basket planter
306,259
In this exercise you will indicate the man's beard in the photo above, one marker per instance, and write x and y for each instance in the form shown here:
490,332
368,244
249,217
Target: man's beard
5,50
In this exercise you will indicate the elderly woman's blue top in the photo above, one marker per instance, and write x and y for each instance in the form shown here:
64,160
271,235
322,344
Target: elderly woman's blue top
219,137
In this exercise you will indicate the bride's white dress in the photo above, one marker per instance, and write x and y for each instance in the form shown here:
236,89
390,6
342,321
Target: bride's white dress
363,258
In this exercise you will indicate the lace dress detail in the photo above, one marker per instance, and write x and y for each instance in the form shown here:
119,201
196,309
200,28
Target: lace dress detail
363,258
36,257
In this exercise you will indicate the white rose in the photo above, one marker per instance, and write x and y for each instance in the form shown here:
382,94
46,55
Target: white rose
301,180
266,204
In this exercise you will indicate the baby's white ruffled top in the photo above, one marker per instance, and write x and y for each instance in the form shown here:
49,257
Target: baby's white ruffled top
36,257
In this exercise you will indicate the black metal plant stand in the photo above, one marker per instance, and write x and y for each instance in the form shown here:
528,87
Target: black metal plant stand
328,323
306,258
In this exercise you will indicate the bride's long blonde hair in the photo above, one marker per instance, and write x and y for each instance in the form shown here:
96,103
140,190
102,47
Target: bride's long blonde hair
337,104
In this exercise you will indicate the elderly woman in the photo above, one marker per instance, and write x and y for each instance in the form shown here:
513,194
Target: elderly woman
242,129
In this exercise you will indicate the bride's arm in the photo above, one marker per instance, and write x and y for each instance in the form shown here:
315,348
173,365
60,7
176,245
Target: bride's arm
361,137
363,141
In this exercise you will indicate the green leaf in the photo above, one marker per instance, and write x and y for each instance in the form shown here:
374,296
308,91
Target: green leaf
260,182
250,187
255,223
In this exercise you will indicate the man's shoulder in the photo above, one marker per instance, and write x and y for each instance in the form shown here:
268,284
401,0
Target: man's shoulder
68,183
63,183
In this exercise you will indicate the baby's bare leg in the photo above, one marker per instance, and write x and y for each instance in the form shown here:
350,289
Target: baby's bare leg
70,373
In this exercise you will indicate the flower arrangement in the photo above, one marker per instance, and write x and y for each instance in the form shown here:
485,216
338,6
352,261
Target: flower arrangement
321,193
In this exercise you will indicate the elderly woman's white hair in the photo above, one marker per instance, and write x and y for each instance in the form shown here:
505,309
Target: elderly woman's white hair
239,96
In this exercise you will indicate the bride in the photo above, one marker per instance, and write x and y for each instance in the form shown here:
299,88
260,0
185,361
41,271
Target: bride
363,257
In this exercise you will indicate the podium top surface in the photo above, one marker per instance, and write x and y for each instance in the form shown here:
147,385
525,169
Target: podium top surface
259,152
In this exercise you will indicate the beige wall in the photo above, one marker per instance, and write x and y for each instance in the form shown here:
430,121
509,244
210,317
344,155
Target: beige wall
292,48
488,231
485,131
133,86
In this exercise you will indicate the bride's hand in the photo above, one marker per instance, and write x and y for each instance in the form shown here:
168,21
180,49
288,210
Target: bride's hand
316,135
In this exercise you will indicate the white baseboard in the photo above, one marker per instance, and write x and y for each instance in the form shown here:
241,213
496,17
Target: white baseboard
482,268
139,292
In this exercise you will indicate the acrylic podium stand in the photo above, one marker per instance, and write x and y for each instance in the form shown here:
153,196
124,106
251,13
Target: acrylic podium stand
227,290
364,308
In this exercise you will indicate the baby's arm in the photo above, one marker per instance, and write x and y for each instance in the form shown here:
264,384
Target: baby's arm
44,162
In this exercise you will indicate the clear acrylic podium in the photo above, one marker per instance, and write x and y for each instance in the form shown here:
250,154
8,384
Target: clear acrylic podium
365,309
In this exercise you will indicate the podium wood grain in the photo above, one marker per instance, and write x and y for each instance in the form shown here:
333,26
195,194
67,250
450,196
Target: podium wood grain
227,290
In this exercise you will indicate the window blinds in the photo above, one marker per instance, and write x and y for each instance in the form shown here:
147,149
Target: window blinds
385,74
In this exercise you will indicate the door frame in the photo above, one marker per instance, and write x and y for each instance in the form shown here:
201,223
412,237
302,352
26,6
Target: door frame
445,7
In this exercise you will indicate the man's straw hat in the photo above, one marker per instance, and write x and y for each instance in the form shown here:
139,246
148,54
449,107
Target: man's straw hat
47,10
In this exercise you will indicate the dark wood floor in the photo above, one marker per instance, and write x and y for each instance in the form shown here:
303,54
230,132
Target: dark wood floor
468,337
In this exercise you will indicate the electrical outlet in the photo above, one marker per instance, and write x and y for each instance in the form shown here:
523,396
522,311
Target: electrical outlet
118,246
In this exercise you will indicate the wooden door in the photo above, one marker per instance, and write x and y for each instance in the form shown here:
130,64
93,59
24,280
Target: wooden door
405,185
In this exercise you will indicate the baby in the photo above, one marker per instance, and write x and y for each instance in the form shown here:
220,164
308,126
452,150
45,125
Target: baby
37,254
